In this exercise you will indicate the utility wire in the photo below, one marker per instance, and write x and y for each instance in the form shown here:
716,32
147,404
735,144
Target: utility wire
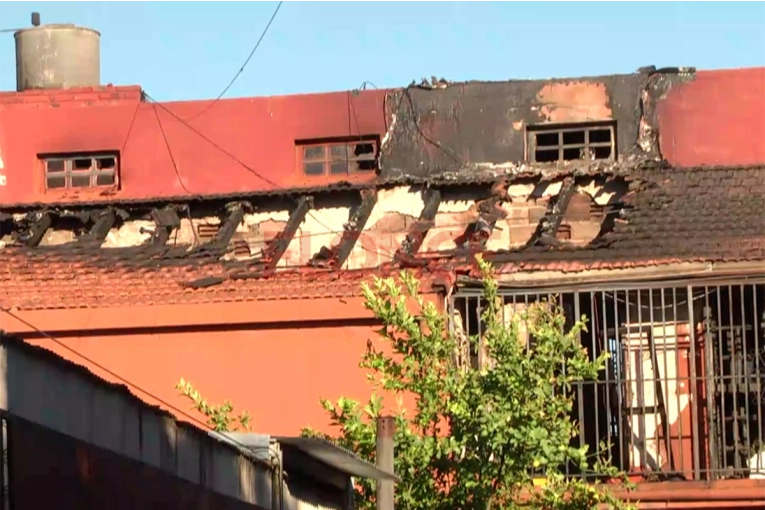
241,69
240,162
120,378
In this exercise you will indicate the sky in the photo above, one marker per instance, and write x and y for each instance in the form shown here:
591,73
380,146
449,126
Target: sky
191,50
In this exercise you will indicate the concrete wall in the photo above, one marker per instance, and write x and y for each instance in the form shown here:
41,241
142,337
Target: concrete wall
43,389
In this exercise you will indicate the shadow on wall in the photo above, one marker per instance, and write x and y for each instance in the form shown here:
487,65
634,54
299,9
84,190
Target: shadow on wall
92,444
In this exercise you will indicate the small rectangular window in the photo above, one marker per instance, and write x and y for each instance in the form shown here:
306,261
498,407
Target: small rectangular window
78,171
571,142
338,157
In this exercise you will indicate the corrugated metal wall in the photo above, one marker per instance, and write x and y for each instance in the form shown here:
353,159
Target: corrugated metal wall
50,470
42,388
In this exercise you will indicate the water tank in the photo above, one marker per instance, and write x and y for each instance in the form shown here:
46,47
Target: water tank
57,57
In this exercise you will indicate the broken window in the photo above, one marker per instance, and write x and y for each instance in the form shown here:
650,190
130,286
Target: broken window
580,142
338,158
682,393
80,171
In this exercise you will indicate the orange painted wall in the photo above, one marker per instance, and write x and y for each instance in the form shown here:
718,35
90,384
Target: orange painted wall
275,359
276,375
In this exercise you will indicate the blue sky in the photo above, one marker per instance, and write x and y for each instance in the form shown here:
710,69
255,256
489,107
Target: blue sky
191,50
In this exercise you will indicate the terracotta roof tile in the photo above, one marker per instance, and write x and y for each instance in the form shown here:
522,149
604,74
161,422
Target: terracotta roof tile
31,281
671,215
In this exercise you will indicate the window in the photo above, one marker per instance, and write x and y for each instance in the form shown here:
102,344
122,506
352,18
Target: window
338,157
80,171
586,142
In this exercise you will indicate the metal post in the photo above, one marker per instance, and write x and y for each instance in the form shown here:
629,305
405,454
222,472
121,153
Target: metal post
386,427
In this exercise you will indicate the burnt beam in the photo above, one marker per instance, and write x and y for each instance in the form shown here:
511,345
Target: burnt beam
336,256
275,249
166,220
418,232
547,228
234,216
102,224
489,212
38,225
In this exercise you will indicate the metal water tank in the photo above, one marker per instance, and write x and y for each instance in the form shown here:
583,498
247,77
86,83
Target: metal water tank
57,57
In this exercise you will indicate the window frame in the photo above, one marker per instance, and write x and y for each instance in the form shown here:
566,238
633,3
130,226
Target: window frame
536,130
348,161
69,174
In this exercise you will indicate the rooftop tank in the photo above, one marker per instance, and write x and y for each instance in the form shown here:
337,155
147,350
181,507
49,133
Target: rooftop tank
57,57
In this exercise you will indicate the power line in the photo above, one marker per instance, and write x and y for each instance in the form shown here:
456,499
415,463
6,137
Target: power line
237,160
120,378
241,69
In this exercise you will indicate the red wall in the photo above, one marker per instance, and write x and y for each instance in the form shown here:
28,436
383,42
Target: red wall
716,119
258,133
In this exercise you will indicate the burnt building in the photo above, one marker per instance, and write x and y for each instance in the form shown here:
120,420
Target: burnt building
226,241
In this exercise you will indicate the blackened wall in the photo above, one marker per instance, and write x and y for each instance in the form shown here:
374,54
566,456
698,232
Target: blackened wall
443,129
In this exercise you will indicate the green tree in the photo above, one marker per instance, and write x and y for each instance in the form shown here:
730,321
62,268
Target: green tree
220,418
476,438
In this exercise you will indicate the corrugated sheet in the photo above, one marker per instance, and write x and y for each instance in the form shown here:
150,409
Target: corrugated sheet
337,457
51,470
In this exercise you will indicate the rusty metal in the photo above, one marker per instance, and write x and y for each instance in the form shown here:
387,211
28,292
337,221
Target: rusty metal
57,57
683,393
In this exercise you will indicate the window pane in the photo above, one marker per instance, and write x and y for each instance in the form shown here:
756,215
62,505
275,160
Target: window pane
105,163
56,182
81,164
55,165
313,168
364,151
338,168
106,179
547,139
313,152
81,181
339,152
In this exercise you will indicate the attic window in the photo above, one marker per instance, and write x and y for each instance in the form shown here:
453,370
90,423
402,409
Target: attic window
579,142
80,171
338,157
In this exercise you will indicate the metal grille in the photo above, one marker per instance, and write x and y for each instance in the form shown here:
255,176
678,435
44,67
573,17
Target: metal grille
682,396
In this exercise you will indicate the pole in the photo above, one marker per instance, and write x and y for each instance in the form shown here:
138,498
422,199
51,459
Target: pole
386,426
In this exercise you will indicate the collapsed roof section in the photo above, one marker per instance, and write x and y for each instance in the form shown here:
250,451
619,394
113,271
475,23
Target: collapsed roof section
650,216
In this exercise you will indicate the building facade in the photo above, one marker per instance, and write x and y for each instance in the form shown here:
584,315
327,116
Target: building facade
225,242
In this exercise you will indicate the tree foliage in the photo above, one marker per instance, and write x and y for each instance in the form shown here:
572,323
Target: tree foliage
477,438
220,417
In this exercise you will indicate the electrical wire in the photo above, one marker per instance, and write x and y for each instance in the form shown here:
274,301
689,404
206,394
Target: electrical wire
237,160
241,69
115,375
169,151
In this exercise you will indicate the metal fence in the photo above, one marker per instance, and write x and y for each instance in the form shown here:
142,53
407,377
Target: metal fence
682,394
